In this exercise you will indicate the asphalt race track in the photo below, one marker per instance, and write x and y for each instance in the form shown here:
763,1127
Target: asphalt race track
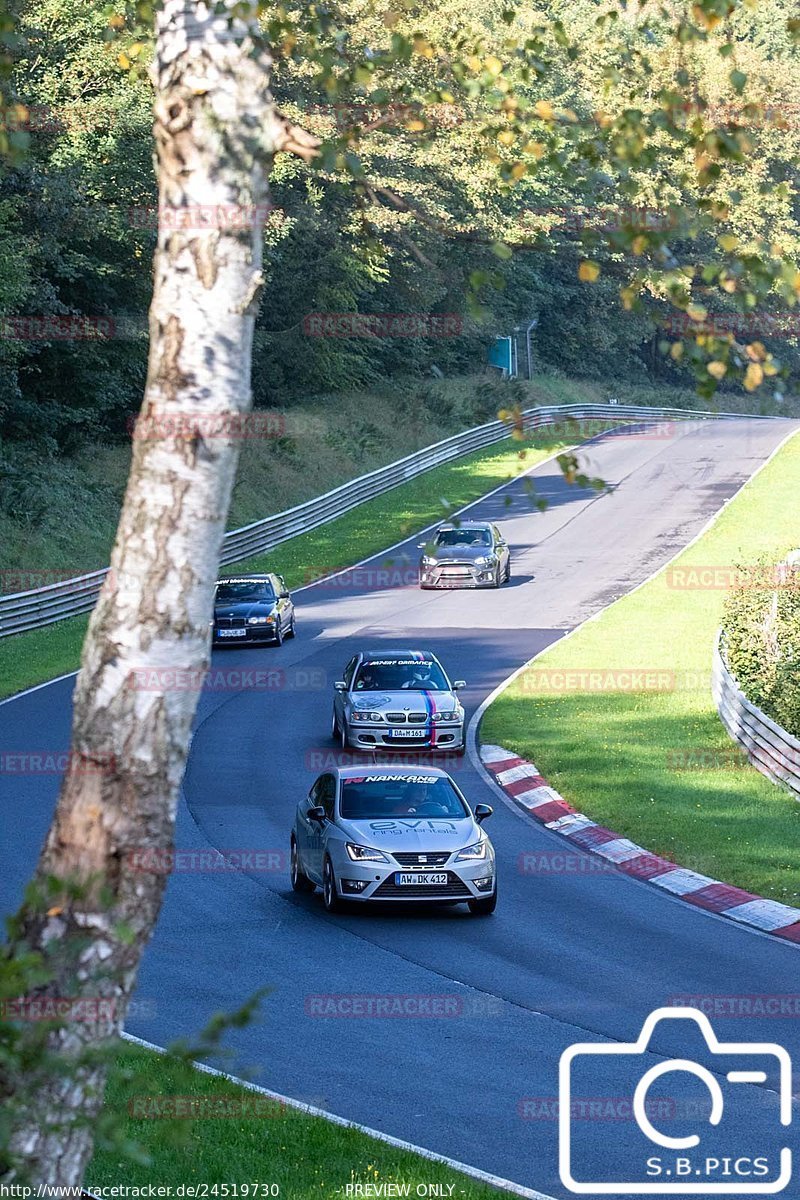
566,958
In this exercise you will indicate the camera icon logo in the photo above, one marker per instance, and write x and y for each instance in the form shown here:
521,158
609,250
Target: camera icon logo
688,1163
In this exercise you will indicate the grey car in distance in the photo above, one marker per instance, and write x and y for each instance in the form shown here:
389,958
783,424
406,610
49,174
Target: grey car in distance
472,554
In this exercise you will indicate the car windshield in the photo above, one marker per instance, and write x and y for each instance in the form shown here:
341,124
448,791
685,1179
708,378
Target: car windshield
243,591
464,537
366,798
401,674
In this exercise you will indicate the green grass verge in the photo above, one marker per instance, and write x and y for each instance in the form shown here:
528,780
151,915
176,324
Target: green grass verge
30,658
304,1156
658,766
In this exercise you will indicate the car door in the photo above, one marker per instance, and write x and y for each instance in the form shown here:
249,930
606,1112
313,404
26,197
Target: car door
502,550
285,604
325,795
340,698
309,833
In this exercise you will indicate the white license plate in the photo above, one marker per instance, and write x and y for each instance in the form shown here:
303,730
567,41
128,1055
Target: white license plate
231,633
429,879
410,733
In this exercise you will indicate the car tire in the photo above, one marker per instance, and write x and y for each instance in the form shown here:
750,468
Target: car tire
497,578
292,630
508,572
461,750
300,881
483,907
330,897
279,634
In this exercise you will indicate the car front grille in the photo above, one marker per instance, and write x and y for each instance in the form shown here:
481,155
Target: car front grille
230,622
417,718
422,859
456,568
453,888
396,718
400,718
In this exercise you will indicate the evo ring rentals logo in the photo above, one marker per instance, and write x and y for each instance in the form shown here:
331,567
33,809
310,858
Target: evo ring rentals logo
734,1100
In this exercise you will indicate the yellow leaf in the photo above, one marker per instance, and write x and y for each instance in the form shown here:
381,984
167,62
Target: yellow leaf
474,63
422,46
717,369
415,125
543,109
505,137
639,244
493,64
728,241
753,377
770,368
116,22
588,271
518,170
728,285
676,350
756,351
55,911
123,60
696,312
536,149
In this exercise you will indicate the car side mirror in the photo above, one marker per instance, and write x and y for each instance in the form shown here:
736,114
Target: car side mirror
421,545
502,542
459,684
340,686
482,811
283,595
317,813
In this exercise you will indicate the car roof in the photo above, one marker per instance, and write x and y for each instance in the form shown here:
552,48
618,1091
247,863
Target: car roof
388,769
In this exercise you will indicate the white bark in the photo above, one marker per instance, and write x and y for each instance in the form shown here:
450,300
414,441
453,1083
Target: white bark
216,128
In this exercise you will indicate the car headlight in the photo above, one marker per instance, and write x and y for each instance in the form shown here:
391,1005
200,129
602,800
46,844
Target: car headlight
485,560
260,620
446,716
364,853
473,853
366,716
428,561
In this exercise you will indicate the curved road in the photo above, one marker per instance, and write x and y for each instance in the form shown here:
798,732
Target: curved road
564,959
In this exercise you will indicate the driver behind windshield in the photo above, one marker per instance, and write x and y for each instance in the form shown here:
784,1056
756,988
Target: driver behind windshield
401,675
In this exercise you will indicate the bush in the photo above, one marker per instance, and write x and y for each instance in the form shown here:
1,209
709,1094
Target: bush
761,625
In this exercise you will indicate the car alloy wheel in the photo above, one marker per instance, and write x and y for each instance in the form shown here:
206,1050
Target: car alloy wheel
279,633
300,881
291,631
329,894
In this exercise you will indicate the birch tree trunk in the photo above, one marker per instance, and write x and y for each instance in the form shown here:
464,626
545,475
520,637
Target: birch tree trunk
216,128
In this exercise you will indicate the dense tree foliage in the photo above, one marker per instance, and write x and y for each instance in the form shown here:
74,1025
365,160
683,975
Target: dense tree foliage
576,169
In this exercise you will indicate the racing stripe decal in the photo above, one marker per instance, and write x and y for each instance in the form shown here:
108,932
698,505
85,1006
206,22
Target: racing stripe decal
430,704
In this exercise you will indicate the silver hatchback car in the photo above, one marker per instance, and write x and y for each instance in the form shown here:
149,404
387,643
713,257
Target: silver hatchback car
472,554
394,834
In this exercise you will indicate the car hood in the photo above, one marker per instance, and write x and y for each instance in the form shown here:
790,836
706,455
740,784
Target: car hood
404,700
458,553
413,833
249,608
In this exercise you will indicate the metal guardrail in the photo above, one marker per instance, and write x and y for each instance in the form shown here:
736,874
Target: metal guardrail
22,611
771,749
